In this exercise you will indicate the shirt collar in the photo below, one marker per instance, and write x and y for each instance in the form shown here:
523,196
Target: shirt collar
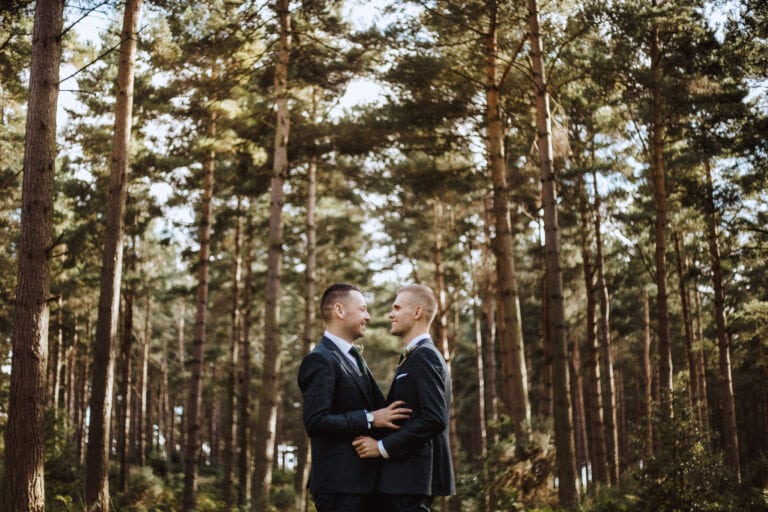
415,341
343,344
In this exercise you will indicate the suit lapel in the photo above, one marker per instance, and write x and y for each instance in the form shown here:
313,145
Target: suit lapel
403,366
349,367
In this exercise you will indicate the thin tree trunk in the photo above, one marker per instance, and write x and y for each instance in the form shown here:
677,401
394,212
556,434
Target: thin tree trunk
482,428
265,428
514,379
125,392
606,345
725,380
97,458
579,413
244,375
647,373
660,203
81,397
230,398
192,411
701,385
23,488
685,304
564,443
597,444
145,410
310,279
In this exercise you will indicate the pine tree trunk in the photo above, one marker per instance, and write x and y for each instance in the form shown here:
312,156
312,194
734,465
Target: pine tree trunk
606,346
725,380
145,411
302,444
564,443
660,203
579,413
514,379
23,488
244,375
701,385
597,443
192,412
265,428
230,398
125,392
685,305
97,497
647,373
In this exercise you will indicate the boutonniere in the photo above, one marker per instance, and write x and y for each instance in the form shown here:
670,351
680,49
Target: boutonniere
360,348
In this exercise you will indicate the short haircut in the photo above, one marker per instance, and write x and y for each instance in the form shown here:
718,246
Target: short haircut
333,294
424,297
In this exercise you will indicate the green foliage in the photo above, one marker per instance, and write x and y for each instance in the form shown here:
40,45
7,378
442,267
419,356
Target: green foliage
149,493
684,476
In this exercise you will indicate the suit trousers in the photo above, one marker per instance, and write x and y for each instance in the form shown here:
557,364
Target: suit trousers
409,503
348,503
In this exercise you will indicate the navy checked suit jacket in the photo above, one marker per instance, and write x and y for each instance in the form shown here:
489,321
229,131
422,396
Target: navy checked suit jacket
420,455
335,395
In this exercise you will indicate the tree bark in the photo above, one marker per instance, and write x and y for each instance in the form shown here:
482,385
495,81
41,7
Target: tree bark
647,374
244,375
725,380
265,427
660,203
230,399
606,345
564,443
514,379
579,412
23,488
192,412
597,445
125,392
97,458
310,280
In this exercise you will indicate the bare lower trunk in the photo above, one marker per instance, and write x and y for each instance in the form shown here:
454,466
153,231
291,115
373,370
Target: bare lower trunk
192,413
264,435
725,380
647,373
244,375
97,496
514,385
564,443
23,488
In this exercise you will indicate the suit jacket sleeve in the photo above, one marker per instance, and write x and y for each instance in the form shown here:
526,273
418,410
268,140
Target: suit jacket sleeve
431,415
317,380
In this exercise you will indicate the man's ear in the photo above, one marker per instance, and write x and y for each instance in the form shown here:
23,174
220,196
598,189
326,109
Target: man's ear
338,308
418,313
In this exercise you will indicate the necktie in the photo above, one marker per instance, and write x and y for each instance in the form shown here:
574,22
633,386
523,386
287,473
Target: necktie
359,358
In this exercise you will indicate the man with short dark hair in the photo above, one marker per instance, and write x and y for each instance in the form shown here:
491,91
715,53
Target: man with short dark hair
342,401
418,464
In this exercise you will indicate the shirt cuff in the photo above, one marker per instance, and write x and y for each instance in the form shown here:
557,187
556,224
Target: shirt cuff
382,451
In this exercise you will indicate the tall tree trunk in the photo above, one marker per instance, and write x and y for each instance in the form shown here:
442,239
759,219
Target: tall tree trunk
244,375
701,385
564,443
230,398
514,379
81,396
310,280
125,392
192,411
647,373
488,294
579,412
725,380
265,428
660,203
597,445
482,428
23,488
685,304
606,344
97,458
441,331
145,409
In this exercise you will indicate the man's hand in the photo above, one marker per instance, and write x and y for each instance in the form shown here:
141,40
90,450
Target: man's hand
366,447
384,417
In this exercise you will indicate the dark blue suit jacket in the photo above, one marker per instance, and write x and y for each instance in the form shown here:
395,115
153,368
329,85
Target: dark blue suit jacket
420,454
335,396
